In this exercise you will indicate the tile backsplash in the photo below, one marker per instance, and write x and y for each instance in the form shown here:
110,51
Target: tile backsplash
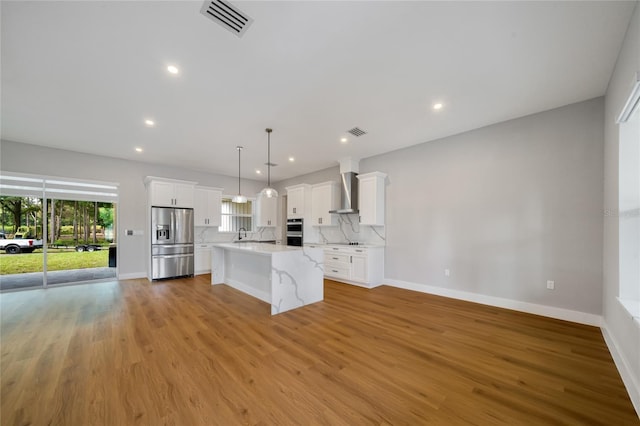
211,235
348,230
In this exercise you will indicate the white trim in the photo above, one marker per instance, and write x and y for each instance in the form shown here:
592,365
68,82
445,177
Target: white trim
631,306
132,276
356,283
149,179
630,382
632,101
531,308
29,177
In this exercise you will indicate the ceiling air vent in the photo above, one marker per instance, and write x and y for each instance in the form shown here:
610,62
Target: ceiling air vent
357,131
227,16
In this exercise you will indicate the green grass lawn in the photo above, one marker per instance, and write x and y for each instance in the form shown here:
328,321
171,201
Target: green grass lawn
56,261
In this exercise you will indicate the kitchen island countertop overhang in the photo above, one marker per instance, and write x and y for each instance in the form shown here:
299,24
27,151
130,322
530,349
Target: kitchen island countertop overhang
286,277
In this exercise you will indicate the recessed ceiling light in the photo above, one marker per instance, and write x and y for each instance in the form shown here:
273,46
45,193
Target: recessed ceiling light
437,106
149,123
343,140
292,159
258,172
172,69
138,149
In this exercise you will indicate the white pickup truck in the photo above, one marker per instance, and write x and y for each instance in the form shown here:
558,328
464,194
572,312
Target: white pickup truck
19,245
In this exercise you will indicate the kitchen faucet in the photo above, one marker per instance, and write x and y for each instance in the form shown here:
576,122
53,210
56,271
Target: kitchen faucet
245,233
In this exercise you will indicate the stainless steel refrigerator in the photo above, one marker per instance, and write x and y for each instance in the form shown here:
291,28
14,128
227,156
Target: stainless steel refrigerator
171,242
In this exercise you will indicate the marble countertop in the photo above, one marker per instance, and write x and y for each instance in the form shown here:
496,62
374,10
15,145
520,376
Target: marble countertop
343,245
257,248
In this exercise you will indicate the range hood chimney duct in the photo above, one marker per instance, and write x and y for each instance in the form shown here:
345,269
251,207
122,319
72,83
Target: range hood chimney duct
349,187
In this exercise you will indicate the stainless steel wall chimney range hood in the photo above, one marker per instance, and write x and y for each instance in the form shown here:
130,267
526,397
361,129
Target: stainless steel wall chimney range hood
349,187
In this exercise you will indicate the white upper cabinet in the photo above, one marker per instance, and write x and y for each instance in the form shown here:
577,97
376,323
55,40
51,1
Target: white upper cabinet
207,206
371,201
170,193
267,209
297,200
324,197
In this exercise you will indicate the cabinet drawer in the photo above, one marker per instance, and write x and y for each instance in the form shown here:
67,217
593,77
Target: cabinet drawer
332,258
343,272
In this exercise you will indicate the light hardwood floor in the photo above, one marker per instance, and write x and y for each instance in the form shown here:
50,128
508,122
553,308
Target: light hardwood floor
183,352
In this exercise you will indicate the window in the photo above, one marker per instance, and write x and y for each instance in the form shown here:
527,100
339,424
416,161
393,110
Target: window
629,203
63,217
235,216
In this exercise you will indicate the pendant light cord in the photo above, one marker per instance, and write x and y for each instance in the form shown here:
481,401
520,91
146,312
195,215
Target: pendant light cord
269,157
239,148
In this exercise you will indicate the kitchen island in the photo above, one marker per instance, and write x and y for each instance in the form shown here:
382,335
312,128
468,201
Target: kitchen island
286,277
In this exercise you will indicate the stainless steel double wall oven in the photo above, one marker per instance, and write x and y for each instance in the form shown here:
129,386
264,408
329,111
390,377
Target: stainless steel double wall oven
295,232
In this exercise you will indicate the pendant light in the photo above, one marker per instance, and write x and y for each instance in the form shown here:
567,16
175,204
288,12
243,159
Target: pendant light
269,192
239,198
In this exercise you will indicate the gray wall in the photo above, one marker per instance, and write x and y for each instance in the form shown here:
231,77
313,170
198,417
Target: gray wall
622,330
505,208
24,158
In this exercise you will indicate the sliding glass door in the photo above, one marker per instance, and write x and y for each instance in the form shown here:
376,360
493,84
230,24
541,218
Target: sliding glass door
21,250
80,234
67,235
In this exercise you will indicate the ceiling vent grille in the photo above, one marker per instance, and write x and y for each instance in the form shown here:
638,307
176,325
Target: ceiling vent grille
227,16
357,131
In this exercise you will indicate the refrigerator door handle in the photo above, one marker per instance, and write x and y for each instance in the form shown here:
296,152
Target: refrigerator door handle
171,256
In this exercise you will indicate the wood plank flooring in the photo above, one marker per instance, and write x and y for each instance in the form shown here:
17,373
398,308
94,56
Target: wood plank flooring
183,352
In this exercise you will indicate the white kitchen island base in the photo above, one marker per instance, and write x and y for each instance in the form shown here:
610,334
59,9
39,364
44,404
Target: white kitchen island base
283,276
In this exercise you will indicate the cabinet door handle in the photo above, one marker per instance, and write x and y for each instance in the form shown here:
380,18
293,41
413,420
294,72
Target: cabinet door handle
335,258
294,209
335,248
359,251
350,259
333,270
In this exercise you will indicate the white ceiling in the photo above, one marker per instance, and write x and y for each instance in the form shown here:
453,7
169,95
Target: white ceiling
84,75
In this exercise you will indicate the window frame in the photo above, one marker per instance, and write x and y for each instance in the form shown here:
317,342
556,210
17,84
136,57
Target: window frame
252,216
628,210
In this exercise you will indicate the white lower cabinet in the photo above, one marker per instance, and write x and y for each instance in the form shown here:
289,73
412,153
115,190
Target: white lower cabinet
359,265
363,266
202,259
337,264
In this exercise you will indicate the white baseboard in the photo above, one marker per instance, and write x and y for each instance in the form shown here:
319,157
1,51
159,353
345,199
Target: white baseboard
630,382
132,276
516,305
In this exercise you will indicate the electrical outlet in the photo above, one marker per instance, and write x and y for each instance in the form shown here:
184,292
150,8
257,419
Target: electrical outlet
551,285
447,272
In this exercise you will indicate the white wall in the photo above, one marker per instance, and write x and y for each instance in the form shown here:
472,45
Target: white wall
132,213
621,331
